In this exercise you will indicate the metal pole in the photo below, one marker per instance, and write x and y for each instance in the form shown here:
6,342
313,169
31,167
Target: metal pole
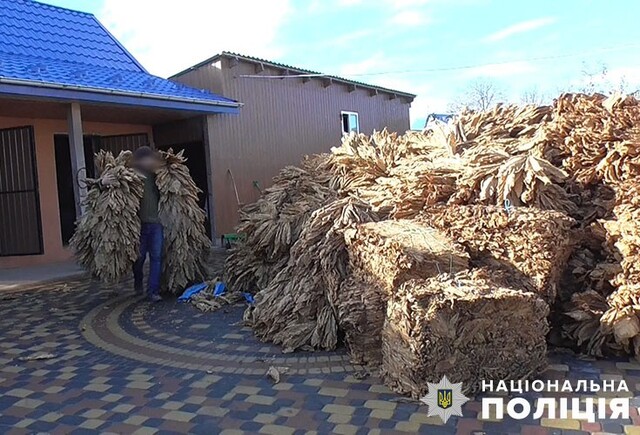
208,129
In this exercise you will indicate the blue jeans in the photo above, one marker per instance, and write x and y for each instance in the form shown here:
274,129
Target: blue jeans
151,239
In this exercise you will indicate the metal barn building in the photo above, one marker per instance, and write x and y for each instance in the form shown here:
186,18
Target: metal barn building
287,113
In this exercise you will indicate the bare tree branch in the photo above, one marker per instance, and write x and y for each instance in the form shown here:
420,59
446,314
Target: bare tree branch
533,96
481,94
599,79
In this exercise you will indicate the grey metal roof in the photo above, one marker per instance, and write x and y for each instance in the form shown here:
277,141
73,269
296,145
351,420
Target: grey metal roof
297,71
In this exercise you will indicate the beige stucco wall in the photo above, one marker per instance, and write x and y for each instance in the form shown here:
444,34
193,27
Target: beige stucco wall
44,130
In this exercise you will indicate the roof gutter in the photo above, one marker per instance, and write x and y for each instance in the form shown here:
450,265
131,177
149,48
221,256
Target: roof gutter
89,89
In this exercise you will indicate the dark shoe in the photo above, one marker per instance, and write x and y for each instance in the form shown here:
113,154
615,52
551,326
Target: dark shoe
138,291
155,297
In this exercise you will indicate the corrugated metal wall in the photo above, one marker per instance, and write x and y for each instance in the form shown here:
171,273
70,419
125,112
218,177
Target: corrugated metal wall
20,229
282,121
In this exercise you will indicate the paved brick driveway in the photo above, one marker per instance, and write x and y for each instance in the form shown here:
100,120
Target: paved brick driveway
121,365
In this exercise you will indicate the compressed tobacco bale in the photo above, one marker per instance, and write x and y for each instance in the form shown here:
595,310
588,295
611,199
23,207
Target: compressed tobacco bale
465,327
394,251
107,236
383,255
361,307
186,245
532,244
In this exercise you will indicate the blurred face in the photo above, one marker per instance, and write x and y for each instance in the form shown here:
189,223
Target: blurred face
148,163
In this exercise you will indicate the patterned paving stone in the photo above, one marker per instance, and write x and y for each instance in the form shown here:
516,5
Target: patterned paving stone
121,365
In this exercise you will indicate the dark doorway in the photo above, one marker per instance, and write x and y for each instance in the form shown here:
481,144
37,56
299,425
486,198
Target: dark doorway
197,164
122,142
64,175
21,228
64,180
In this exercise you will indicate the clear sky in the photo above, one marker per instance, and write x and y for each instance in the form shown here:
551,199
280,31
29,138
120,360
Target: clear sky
433,48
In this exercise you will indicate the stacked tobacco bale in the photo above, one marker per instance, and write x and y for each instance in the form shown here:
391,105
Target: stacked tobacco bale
106,239
361,308
447,322
394,251
601,149
186,245
613,324
532,245
465,327
383,255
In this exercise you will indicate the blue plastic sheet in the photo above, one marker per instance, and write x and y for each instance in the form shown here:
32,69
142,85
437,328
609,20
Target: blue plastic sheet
191,291
219,289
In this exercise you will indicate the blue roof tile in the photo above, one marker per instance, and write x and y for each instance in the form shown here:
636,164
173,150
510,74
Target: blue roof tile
34,29
57,47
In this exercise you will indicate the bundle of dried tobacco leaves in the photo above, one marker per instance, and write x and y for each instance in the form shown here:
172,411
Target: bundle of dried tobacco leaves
298,308
106,241
107,235
186,245
274,223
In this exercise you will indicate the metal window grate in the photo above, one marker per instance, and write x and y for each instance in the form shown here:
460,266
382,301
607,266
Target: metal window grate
20,222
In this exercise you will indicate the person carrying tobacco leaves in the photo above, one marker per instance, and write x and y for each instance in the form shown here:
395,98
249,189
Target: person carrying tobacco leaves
143,204
146,161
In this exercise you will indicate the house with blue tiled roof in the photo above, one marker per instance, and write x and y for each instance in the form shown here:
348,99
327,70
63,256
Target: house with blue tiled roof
68,88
